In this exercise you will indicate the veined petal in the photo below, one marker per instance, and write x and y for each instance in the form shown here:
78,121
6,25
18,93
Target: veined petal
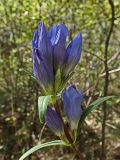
59,50
42,42
54,31
74,49
42,71
58,34
54,121
72,105
73,53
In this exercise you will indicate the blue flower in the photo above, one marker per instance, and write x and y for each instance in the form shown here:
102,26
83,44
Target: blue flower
43,72
42,42
52,61
73,53
54,122
58,34
72,100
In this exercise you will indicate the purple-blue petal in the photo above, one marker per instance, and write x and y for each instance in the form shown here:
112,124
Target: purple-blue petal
72,100
35,40
74,48
59,50
42,70
73,53
58,34
54,31
54,121
42,42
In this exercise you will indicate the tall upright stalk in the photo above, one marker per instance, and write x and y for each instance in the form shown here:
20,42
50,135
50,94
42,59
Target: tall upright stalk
111,2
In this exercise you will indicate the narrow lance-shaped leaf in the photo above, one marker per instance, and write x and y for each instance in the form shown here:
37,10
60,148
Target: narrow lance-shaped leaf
39,146
92,107
42,106
62,85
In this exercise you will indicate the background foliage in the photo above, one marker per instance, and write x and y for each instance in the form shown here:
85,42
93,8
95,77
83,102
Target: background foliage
19,123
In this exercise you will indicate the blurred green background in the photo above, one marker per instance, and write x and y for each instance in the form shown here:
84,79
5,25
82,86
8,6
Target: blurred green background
20,128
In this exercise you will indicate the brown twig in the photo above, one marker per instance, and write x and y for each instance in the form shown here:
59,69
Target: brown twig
112,71
115,56
102,157
78,153
95,55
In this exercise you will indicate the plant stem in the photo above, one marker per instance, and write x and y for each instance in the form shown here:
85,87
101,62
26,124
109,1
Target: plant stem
78,153
102,156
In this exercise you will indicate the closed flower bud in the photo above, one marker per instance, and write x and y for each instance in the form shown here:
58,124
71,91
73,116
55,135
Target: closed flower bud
58,34
54,122
73,53
72,105
42,42
43,72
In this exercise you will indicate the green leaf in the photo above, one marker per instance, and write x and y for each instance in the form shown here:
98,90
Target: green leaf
42,106
62,85
39,146
92,107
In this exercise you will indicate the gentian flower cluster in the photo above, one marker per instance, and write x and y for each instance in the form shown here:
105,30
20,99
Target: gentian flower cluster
52,61
53,64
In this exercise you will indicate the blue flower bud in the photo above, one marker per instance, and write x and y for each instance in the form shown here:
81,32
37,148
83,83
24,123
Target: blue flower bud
54,31
54,122
42,72
73,53
42,42
72,105
58,34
